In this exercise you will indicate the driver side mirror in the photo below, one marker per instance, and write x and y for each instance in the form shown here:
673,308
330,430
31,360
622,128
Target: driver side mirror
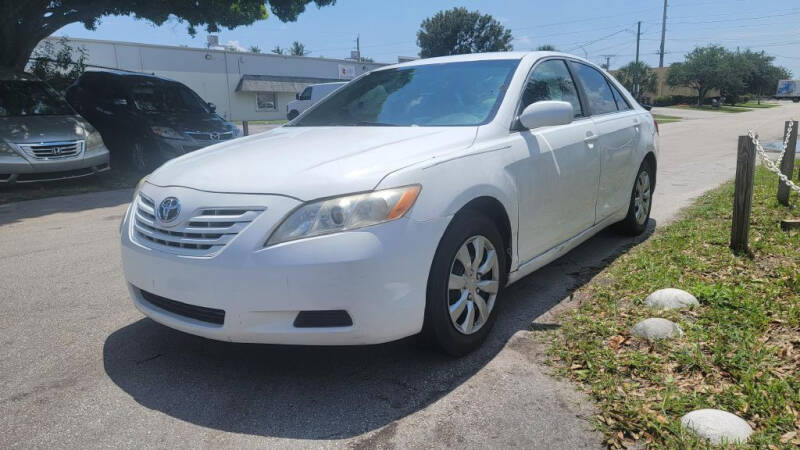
546,113
212,107
297,96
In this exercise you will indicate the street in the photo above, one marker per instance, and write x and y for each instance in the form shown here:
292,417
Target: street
81,367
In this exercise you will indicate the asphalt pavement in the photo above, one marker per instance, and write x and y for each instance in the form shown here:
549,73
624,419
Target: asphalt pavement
81,367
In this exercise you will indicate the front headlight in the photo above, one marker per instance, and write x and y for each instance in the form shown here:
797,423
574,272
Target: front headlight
166,132
345,213
94,140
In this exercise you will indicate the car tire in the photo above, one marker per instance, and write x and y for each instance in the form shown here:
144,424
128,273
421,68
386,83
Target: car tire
640,204
292,114
141,160
453,332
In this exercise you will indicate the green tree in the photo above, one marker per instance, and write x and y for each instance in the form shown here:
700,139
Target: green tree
298,49
58,64
278,50
763,75
703,69
648,80
255,49
546,48
24,23
459,31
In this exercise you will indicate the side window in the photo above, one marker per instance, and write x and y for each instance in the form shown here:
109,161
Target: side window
306,95
551,80
598,93
622,104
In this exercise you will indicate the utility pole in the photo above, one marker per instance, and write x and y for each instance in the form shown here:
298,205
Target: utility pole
607,65
358,45
636,69
663,34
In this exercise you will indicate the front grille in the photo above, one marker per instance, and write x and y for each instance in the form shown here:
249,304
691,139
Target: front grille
203,234
53,150
201,313
210,135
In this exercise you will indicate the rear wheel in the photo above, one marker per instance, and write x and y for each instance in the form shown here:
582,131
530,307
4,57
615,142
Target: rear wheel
641,200
466,278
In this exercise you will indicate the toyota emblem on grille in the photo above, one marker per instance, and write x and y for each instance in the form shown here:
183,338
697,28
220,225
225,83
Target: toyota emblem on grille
168,209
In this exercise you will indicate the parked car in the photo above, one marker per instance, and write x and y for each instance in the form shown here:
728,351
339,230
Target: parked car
41,137
403,203
145,119
310,95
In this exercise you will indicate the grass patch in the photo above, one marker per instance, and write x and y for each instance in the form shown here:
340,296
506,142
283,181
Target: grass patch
756,105
723,108
107,181
741,347
663,118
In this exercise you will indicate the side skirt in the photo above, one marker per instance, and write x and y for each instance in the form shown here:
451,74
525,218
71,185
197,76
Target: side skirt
559,250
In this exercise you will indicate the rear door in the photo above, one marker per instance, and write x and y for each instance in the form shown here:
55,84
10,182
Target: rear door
618,126
557,181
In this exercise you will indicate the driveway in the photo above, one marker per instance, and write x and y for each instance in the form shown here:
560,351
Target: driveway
80,367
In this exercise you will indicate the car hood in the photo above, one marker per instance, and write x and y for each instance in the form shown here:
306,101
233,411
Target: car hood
31,129
188,122
310,162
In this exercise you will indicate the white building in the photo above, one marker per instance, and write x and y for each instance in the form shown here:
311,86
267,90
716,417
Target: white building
243,86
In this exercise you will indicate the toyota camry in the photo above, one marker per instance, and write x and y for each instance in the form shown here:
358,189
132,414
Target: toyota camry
402,204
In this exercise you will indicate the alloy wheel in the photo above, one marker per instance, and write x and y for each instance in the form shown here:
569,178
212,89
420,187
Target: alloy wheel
473,284
642,197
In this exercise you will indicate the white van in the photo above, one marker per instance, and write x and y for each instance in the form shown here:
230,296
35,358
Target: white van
310,95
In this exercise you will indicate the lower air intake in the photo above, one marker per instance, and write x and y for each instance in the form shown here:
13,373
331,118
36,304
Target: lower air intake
323,319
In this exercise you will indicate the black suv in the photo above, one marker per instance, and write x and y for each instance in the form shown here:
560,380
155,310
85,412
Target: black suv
146,120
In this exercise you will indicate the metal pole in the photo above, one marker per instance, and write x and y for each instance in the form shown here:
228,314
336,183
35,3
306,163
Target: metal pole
663,34
636,69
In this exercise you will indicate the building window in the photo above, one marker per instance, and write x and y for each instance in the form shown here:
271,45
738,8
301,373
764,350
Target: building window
265,101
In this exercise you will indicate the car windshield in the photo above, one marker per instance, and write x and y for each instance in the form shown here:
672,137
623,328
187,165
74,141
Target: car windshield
156,96
446,94
31,98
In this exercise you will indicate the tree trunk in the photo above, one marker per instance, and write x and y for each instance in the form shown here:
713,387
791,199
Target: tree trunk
21,29
701,95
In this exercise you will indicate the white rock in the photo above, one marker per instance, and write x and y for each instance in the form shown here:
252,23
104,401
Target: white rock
717,426
671,298
655,328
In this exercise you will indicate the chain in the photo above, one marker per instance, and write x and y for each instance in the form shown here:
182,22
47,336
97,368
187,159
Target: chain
770,164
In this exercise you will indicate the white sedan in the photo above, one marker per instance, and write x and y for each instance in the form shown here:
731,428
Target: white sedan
402,204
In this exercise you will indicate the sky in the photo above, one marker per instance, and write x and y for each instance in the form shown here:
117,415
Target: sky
595,29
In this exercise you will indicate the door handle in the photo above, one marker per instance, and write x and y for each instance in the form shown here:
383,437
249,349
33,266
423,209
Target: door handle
591,138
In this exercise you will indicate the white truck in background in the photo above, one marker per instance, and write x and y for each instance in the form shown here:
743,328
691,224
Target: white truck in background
310,95
789,89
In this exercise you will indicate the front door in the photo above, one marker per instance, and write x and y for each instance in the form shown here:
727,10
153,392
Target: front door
558,179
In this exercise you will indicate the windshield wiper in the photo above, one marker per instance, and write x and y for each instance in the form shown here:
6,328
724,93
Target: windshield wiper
375,124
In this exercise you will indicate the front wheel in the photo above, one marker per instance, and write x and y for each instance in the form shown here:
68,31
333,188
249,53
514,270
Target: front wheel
641,200
292,114
466,278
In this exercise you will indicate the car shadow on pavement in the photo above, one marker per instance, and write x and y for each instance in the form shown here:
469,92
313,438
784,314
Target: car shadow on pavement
29,209
327,392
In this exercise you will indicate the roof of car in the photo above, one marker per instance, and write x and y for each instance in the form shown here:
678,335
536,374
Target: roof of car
478,57
124,74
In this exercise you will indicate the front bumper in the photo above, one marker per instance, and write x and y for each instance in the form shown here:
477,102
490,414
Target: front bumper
377,274
18,169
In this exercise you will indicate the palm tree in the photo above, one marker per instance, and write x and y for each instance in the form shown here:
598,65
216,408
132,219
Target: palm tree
648,80
278,50
298,49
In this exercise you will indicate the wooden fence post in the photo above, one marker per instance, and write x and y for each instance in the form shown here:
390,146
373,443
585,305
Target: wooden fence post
743,194
787,165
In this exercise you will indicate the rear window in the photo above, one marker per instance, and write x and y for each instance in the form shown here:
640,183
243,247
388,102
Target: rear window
31,98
